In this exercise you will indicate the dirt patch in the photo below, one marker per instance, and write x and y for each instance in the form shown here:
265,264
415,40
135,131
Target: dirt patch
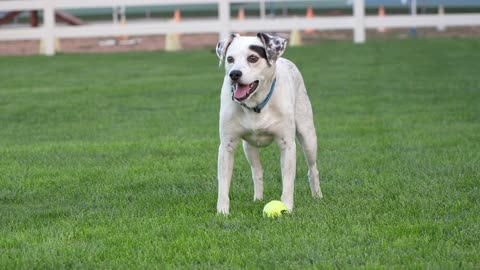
99,45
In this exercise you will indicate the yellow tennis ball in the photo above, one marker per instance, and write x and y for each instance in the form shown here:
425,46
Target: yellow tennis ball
274,209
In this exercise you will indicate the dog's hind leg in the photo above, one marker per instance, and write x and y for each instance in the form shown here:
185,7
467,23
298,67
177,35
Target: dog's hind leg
252,154
308,140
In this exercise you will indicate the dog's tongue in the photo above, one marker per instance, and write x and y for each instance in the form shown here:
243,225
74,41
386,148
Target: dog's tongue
241,91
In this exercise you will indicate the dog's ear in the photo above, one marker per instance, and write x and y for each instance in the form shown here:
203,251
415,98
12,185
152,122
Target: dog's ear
222,47
274,46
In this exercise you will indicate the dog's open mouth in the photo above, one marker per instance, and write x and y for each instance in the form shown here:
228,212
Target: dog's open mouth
243,91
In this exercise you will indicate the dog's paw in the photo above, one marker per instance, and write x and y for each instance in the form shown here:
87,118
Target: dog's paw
317,194
257,198
223,211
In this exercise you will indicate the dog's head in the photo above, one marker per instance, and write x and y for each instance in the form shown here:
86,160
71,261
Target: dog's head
250,61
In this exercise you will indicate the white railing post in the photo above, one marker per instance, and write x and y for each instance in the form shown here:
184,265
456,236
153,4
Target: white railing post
413,13
262,9
441,14
224,18
359,21
48,28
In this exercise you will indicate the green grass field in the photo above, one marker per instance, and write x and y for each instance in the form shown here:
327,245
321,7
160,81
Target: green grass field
109,162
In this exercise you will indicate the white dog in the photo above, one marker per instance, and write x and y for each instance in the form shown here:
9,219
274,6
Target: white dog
263,99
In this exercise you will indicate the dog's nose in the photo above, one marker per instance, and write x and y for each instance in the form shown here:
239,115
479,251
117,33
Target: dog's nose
235,74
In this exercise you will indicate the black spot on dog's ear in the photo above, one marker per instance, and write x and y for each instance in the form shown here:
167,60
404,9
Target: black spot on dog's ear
274,46
264,37
259,50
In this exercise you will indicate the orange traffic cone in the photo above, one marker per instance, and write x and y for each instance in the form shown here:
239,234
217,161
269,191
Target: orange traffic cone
177,17
381,14
42,49
241,14
123,22
309,16
295,38
172,40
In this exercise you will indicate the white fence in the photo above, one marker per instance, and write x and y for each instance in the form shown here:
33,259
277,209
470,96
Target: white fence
223,24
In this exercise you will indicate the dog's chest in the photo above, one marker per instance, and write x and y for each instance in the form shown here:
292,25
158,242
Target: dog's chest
258,139
259,133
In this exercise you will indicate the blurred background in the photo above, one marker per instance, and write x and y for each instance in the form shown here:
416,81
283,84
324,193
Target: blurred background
99,26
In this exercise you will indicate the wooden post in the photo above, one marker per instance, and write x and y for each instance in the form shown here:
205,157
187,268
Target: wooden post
34,18
9,16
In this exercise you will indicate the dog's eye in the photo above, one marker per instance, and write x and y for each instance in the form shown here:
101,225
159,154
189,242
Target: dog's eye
230,60
252,59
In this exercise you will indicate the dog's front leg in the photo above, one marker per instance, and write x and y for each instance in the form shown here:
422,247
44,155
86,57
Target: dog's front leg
253,158
288,163
225,168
